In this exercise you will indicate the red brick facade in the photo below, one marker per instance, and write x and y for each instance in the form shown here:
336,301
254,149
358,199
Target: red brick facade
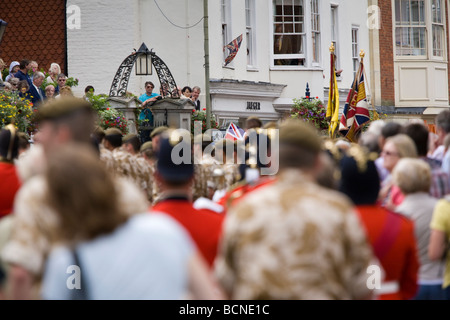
36,31
386,54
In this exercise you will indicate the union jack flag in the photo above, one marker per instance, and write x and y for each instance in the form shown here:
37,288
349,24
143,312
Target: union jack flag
233,48
356,109
234,132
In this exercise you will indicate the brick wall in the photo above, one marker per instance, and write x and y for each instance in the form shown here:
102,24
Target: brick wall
36,31
386,54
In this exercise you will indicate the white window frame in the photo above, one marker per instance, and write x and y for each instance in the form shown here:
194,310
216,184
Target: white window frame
428,24
355,49
250,34
306,26
225,12
334,26
315,30
437,24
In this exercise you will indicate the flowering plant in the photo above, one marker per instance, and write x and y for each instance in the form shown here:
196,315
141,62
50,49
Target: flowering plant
312,111
113,118
71,82
201,116
16,110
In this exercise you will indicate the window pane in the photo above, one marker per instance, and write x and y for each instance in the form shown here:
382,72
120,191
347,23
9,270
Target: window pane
405,12
436,12
416,12
316,46
289,31
410,32
438,36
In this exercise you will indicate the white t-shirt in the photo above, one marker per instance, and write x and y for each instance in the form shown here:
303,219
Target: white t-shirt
145,259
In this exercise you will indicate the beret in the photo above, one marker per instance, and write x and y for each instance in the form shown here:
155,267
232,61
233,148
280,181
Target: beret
112,132
300,134
129,136
146,145
158,130
59,108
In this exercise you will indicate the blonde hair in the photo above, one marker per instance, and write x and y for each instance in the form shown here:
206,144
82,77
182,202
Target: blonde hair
58,68
447,141
82,193
67,90
412,175
406,148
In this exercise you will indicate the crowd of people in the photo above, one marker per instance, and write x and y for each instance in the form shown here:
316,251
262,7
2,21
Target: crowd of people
25,78
87,213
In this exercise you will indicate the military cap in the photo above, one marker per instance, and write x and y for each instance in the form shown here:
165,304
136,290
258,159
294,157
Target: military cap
300,134
359,176
112,132
129,136
158,130
171,165
146,145
99,130
59,108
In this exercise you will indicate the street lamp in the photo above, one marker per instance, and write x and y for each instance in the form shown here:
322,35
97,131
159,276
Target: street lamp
143,61
3,25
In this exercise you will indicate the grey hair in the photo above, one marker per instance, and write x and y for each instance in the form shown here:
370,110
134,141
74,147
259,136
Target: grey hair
38,74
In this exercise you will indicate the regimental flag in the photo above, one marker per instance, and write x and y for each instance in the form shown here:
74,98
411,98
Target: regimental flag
233,48
234,132
356,109
333,99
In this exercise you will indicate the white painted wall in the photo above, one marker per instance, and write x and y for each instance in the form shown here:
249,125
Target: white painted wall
111,29
105,38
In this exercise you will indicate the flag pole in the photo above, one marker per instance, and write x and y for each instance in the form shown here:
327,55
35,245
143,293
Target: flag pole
206,44
332,94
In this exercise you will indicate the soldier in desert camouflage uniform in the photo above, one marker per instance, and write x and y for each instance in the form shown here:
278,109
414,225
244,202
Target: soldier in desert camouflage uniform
294,239
132,144
105,155
204,166
155,136
125,164
149,156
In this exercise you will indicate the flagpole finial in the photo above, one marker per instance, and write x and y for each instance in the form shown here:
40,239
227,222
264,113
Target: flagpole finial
362,54
332,48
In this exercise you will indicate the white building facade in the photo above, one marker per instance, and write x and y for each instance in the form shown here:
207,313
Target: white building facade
285,46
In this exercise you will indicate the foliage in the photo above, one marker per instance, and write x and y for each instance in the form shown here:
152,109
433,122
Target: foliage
71,82
16,110
201,116
99,102
312,111
113,118
5,73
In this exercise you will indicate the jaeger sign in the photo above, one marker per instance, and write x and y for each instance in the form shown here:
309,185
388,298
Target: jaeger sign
253,105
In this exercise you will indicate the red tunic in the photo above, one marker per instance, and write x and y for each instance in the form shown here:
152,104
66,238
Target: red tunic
234,195
392,238
204,226
9,184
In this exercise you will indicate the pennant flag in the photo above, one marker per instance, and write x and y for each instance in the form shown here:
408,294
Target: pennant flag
333,99
234,132
233,48
356,109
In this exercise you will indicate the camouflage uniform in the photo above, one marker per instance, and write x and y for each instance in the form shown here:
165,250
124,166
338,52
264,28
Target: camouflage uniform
107,158
125,165
34,220
204,177
293,240
145,176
